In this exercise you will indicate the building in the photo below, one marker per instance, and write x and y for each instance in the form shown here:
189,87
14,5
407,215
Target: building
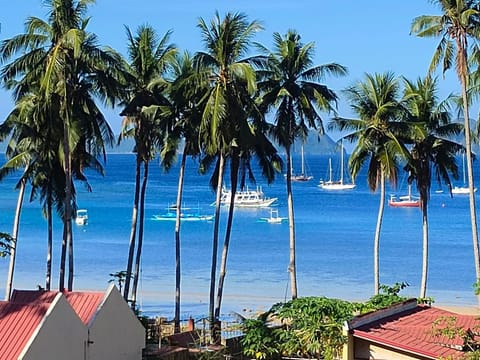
406,331
69,325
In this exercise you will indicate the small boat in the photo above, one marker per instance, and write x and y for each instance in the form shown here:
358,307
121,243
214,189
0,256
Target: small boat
247,198
81,217
462,190
331,184
185,215
302,177
274,218
404,201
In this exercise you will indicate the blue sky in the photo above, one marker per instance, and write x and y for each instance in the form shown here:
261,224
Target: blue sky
368,36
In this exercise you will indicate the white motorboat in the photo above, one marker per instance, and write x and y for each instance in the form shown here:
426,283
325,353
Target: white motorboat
247,198
81,217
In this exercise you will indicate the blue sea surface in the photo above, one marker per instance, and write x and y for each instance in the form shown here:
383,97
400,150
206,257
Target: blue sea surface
334,234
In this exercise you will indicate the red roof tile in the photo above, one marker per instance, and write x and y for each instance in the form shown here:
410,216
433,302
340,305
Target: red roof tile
85,304
18,322
411,331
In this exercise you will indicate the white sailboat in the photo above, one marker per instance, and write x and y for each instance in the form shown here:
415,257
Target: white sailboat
302,177
463,190
331,184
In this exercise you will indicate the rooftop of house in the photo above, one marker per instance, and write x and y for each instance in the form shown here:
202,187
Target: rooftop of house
410,327
85,304
18,322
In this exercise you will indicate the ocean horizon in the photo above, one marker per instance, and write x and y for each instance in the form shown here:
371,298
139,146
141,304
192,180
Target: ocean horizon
334,234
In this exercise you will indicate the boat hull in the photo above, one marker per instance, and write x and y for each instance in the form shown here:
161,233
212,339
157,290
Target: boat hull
336,186
404,203
247,198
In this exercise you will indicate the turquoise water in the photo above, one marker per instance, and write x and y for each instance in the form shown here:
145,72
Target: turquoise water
334,242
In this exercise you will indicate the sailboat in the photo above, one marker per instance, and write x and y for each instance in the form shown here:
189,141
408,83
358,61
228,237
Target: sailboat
404,201
302,176
462,190
331,184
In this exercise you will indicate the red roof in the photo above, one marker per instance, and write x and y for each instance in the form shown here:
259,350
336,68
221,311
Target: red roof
412,331
18,322
85,304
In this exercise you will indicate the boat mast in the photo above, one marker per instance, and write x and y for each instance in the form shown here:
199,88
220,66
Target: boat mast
341,163
330,168
303,165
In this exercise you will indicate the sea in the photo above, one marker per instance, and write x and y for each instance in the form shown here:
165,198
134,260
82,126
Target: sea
334,241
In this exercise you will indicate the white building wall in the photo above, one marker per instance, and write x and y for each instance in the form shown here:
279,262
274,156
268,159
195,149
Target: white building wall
61,335
115,332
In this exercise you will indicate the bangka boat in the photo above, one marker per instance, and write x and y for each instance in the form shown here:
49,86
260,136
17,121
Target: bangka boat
247,198
274,218
185,215
331,184
302,177
404,201
81,217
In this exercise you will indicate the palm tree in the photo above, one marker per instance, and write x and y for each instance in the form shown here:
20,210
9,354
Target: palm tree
291,86
376,131
458,24
225,130
432,153
183,114
149,60
62,63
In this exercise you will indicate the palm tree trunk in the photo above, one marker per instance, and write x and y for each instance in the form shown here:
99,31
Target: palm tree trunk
226,244
68,204
133,231
48,274
471,185
213,270
136,272
13,250
178,273
69,224
63,256
423,286
376,242
292,268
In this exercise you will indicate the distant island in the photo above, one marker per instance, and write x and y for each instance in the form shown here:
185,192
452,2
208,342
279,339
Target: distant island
315,144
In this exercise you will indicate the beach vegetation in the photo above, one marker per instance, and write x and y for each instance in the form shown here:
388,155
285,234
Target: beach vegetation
290,86
150,57
377,136
5,244
306,327
458,31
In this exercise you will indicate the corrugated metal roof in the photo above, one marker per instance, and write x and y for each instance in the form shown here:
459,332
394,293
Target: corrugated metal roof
84,303
412,331
17,325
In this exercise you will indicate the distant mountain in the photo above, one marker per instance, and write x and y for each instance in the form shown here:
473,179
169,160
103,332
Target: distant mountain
314,145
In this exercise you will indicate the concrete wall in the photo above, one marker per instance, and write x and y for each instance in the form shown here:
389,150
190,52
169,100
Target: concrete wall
115,332
61,335
366,350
